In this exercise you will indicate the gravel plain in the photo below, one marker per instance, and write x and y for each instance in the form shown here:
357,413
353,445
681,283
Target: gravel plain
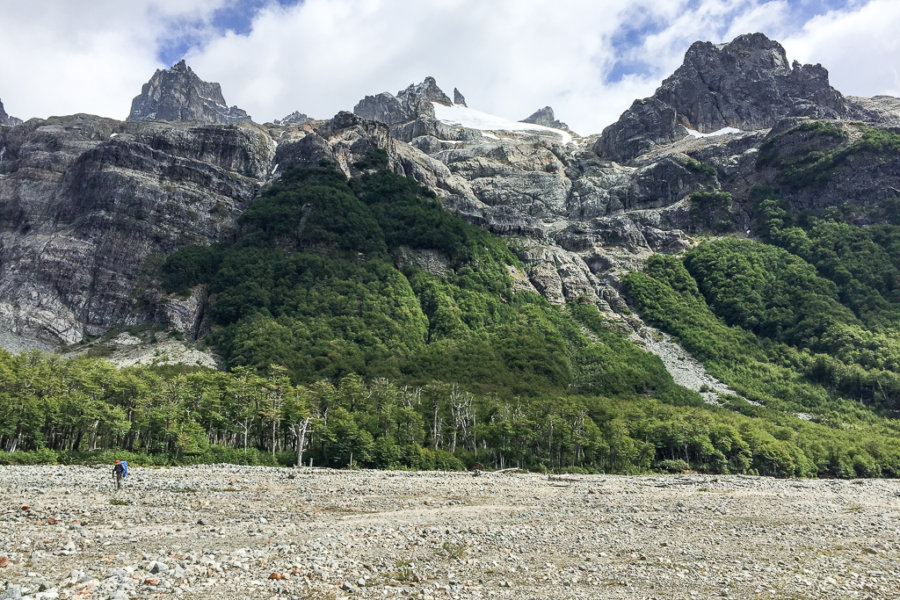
232,532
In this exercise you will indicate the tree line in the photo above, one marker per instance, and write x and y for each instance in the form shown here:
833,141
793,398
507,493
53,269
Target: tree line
81,409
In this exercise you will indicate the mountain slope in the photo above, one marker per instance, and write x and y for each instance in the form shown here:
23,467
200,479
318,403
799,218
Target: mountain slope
421,245
334,279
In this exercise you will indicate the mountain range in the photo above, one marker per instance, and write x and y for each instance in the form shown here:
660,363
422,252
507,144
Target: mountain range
746,206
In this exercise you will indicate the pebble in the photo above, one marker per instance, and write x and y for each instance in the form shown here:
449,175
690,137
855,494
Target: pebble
372,534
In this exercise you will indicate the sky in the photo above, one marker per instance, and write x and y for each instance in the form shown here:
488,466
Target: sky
588,59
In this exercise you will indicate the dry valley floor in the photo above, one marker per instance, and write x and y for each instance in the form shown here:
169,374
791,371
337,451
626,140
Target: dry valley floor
230,532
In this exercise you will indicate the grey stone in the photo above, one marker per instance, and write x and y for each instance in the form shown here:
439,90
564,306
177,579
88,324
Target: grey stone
12,592
158,567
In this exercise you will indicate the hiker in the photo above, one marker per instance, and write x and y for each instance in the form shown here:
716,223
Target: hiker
119,473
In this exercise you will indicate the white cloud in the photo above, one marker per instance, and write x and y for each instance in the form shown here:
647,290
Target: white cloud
509,57
858,46
63,57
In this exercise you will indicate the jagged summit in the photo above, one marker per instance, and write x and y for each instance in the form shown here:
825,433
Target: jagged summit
746,84
5,119
427,90
295,118
422,113
178,94
409,104
544,116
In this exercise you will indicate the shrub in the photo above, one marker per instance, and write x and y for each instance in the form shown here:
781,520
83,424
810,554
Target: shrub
673,466
41,456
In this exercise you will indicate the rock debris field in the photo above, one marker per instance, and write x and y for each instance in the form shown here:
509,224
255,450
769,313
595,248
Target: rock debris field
228,532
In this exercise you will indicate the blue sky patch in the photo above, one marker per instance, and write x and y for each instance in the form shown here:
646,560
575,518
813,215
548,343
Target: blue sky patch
804,10
641,23
235,17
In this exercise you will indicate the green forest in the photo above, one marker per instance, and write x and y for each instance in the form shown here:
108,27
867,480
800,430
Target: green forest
342,351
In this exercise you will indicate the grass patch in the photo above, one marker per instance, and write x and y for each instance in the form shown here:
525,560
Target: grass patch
454,549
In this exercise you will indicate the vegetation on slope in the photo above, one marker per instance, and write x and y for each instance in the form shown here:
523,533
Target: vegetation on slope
326,321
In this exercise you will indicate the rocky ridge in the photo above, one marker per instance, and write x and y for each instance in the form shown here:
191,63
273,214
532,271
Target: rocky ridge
233,532
178,94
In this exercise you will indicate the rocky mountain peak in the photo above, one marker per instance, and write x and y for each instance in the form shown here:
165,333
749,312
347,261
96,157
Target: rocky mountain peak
295,118
409,104
746,84
458,98
544,116
427,90
178,94
5,119
752,53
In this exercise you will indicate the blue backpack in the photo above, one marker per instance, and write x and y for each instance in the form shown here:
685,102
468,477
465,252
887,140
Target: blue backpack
124,464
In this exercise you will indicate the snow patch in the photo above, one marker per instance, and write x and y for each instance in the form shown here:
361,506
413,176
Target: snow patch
464,116
723,131
215,103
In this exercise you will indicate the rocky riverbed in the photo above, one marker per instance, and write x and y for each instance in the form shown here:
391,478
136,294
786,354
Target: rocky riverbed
228,532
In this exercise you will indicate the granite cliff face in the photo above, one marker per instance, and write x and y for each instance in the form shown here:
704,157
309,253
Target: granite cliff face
88,205
177,94
746,84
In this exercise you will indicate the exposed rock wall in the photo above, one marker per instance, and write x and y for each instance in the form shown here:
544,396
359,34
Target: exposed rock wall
88,205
